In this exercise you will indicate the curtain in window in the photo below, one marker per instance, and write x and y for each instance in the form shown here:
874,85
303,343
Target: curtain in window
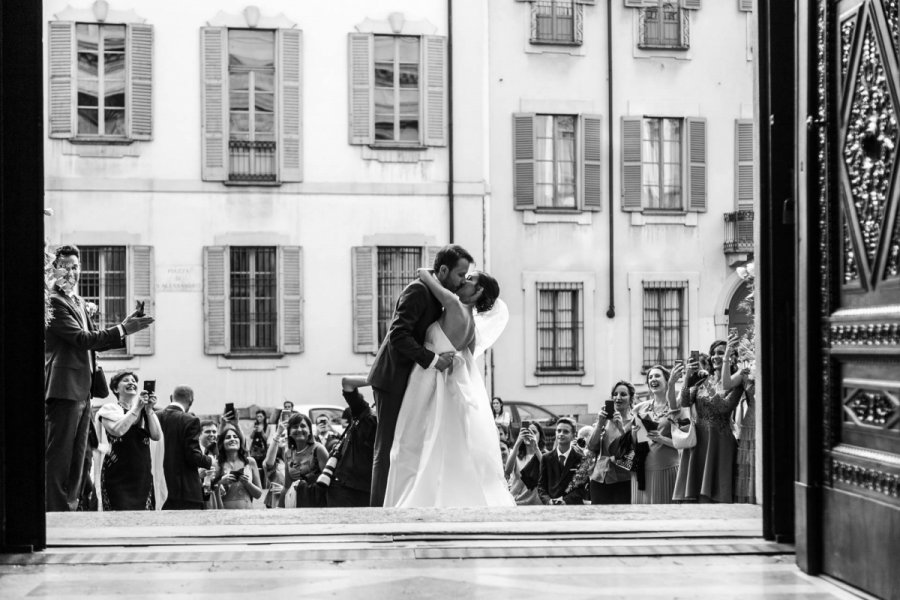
650,143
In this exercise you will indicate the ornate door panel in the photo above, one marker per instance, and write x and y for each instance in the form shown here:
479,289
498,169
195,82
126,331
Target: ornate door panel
859,106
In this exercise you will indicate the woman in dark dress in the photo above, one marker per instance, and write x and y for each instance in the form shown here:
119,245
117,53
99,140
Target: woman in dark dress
130,424
611,484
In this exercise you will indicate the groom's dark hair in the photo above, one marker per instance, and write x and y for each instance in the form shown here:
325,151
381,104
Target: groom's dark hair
450,255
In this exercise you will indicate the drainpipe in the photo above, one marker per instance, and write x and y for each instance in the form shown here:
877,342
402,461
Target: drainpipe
611,311
450,187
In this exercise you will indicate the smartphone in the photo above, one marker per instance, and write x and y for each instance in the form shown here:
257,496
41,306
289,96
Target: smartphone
139,307
609,408
150,386
229,408
285,416
695,356
237,474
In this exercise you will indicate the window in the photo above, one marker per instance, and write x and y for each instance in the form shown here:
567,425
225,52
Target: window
664,26
379,274
396,268
664,164
253,300
245,74
664,322
251,105
553,22
398,90
549,173
560,327
253,306
113,278
100,81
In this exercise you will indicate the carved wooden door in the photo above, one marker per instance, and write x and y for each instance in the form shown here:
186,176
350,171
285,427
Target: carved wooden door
859,109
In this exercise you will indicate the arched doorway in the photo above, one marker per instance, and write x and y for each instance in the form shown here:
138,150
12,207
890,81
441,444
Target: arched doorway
738,315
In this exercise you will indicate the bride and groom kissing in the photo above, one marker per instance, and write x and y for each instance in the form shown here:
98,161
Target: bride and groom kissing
436,444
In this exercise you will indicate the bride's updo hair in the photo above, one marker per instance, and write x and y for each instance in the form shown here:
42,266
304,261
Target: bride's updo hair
490,291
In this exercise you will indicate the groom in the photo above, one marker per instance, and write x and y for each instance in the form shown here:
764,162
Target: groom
402,346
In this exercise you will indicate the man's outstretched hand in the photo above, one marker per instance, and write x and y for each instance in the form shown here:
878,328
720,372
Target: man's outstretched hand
136,322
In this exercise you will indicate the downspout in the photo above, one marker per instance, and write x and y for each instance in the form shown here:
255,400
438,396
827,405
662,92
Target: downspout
611,311
450,188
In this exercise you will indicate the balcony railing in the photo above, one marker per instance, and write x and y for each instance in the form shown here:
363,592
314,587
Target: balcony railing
739,232
252,161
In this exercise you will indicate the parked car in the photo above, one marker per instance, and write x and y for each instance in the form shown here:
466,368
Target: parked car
247,415
526,411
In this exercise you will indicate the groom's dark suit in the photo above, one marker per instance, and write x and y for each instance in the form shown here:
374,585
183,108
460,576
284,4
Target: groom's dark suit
402,347
70,359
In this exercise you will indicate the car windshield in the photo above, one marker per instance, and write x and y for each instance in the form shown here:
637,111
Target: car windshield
533,413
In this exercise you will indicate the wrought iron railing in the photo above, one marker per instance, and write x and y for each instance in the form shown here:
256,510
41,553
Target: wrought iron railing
252,161
556,22
739,231
668,28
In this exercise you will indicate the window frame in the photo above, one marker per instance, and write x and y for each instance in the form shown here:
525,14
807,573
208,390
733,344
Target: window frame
101,298
385,306
660,287
661,164
575,328
683,22
576,158
396,142
577,33
101,81
252,300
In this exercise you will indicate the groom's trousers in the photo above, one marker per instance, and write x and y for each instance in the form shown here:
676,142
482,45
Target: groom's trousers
387,407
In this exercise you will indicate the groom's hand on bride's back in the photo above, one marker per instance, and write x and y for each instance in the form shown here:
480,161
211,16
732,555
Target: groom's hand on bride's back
445,359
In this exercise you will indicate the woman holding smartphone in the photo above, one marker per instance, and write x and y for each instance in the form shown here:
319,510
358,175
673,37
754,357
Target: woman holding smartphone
611,484
238,476
523,466
706,471
654,481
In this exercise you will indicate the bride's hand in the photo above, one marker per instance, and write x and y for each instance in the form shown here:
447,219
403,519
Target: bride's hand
423,272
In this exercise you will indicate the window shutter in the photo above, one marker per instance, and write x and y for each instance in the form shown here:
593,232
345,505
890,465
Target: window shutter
640,3
140,81
429,255
691,4
216,305
290,93
140,289
743,164
584,1
365,301
62,79
592,167
362,73
214,95
290,299
434,88
745,5
696,176
632,175
523,161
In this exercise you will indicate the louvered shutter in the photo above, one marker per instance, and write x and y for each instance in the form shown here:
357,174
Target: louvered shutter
365,300
632,174
140,289
140,81
696,173
434,88
523,161
640,3
691,4
745,5
592,166
290,94
290,299
62,79
743,164
362,74
429,255
214,99
216,305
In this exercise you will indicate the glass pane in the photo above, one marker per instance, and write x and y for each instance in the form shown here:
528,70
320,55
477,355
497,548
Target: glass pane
565,173
544,194
543,172
115,121
239,81
409,76
115,99
384,48
114,65
409,130
87,64
88,36
408,49
565,196
543,149
384,128
240,122
113,38
253,48
384,75
265,102
87,120
265,123
239,100
566,125
87,93
264,82
384,101
543,126
409,102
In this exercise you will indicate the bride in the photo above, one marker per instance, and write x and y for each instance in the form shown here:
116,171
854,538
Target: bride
446,450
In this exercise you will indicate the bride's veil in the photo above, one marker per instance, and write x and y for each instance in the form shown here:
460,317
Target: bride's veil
489,325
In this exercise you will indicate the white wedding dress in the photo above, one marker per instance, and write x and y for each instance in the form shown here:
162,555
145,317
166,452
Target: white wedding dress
446,450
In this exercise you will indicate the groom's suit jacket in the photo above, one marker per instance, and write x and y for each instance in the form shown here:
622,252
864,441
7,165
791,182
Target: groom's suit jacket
72,342
403,346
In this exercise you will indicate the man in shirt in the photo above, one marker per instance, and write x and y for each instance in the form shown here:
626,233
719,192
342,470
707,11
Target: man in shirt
70,361
558,467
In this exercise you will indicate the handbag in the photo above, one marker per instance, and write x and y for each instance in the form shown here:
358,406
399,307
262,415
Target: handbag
99,386
681,438
622,451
